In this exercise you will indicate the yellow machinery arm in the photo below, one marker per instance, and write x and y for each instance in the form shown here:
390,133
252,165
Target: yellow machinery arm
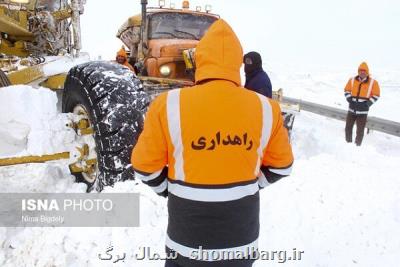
33,159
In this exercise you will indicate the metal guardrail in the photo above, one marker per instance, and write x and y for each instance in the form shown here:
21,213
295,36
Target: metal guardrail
373,123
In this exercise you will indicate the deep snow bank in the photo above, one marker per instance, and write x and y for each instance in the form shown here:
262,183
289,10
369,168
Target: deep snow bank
30,123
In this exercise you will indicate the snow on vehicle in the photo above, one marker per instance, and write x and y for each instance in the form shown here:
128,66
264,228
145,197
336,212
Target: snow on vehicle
107,100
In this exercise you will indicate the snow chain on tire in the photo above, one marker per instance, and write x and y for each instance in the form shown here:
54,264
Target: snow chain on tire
116,103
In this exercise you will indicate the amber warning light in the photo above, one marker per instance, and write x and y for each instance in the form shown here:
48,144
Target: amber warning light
185,5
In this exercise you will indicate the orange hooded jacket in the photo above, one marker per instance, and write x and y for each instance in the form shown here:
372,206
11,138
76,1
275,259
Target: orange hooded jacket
221,143
361,94
122,53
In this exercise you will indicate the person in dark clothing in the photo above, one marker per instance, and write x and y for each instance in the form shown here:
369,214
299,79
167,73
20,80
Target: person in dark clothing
256,78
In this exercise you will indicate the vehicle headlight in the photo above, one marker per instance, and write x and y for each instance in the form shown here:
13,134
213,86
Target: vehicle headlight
165,71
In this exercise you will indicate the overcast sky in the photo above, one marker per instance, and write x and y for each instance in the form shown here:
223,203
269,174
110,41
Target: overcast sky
300,33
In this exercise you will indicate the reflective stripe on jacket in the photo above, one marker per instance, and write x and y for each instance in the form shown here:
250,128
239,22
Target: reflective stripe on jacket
361,94
221,143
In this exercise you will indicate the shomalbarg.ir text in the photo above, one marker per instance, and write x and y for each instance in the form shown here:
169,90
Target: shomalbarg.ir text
280,256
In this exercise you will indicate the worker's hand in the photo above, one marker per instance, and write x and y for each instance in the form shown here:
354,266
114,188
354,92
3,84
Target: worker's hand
348,99
369,103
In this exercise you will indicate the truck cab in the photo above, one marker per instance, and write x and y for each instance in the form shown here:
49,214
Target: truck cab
156,44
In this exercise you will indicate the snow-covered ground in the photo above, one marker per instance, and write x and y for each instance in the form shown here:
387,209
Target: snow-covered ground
341,205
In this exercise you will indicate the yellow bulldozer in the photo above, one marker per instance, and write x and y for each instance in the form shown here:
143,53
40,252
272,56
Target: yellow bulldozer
107,100
31,31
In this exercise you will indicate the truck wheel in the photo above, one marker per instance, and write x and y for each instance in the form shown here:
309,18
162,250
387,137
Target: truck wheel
4,81
111,100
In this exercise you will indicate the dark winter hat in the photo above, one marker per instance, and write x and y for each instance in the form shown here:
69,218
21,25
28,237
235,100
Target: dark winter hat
252,62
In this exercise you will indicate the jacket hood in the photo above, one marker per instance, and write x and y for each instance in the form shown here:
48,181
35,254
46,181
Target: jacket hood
363,66
252,63
122,52
219,54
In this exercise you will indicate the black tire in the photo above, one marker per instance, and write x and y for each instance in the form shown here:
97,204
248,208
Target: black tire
116,103
4,81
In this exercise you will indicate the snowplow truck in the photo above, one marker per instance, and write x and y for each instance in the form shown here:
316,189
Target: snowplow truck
108,101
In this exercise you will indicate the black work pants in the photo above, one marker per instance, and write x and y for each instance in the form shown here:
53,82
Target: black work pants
361,121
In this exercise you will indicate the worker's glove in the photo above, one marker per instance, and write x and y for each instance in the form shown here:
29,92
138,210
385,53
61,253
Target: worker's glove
369,103
348,99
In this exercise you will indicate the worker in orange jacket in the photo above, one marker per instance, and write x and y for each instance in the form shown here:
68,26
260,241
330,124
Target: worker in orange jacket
210,148
122,58
361,92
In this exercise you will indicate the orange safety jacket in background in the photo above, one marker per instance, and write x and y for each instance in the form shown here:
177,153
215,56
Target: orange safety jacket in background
221,143
122,53
361,94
